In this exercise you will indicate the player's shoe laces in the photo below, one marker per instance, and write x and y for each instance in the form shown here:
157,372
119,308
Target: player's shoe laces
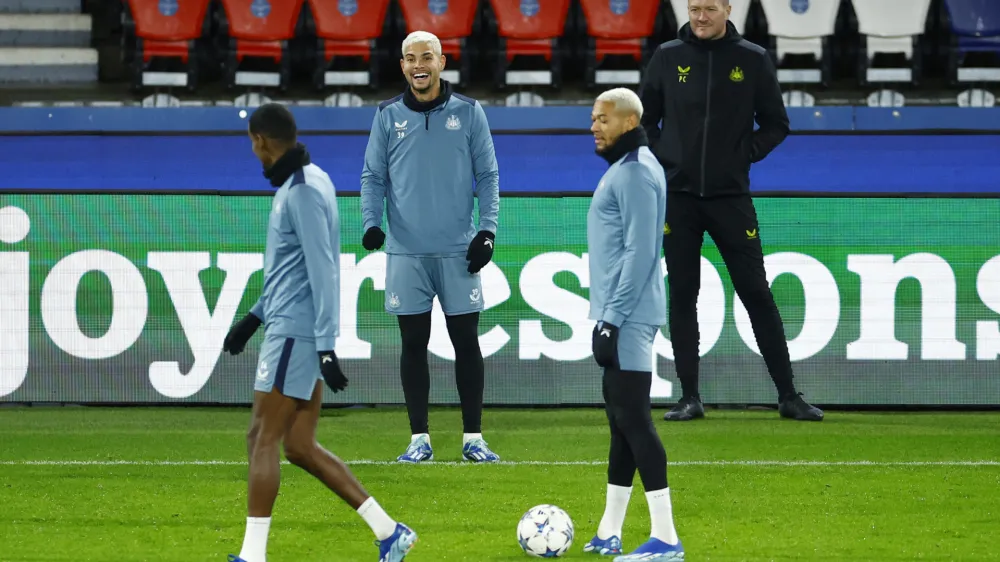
395,548
604,547
654,549
418,451
476,450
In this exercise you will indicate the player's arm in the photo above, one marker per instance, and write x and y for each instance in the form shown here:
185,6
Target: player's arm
312,221
651,95
636,196
770,113
258,308
374,179
486,171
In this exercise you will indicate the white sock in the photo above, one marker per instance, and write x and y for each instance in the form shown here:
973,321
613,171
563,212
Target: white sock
416,436
661,516
255,540
381,524
614,512
466,437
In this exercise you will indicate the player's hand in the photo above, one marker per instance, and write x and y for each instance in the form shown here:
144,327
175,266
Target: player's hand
605,345
373,239
329,367
480,251
240,334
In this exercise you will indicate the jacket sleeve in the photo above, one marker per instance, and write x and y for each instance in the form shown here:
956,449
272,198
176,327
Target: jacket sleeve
375,174
258,308
486,171
651,96
636,196
770,114
311,218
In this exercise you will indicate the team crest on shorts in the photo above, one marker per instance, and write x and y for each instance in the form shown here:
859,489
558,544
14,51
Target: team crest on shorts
262,371
453,124
393,300
474,296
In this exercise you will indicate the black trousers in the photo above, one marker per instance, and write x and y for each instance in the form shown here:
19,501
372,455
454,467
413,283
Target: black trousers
635,445
732,223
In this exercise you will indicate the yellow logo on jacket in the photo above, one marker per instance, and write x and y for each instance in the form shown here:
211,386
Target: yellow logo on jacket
751,234
682,73
736,75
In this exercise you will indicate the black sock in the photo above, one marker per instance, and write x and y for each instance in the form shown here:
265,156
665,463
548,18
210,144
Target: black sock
630,392
415,331
469,370
621,461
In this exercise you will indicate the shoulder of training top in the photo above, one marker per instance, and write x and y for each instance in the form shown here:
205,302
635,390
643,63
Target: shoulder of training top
751,47
466,99
670,45
389,102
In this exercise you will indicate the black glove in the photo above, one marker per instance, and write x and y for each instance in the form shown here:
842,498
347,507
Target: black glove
605,345
480,251
330,369
373,239
240,334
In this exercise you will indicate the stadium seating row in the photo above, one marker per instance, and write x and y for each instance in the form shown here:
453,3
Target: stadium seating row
348,41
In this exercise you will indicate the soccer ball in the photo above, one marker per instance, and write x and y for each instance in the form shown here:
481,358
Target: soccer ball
545,531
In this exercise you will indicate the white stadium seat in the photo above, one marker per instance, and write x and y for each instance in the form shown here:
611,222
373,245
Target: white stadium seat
741,9
802,27
890,27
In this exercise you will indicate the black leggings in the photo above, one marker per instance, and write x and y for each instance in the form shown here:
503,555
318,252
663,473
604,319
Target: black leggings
414,373
634,441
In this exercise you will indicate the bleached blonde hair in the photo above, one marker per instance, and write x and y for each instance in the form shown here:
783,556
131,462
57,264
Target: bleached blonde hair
422,37
624,100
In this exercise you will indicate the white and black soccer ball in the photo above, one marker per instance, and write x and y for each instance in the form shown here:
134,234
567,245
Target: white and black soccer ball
545,531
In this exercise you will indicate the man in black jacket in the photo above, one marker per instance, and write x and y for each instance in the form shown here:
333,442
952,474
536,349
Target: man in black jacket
707,87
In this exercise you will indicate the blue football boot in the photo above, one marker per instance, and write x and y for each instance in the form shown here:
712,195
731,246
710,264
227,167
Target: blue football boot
608,547
418,451
395,548
654,549
476,450
234,558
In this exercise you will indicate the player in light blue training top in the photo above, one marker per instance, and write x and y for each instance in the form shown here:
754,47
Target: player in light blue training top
300,309
628,302
429,156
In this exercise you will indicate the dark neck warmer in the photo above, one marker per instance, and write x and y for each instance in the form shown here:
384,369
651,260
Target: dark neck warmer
626,143
411,101
291,161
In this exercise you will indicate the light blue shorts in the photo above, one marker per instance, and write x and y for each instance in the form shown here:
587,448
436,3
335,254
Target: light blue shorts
412,282
290,365
635,347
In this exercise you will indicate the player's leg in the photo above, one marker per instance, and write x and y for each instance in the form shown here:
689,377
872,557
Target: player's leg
628,392
734,228
682,239
271,417
461,296
303,450
621,473
409,296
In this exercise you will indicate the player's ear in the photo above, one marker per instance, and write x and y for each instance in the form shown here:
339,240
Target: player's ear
442,57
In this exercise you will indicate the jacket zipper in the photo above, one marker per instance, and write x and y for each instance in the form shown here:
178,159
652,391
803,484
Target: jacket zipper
704,135
427,121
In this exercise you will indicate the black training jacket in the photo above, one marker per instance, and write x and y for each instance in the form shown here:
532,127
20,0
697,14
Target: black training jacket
707,93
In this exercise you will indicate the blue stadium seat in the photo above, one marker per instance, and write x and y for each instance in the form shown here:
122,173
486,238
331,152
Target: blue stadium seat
890,29
975,27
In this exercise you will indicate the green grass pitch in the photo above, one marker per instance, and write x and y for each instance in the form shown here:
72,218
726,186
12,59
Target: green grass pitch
89,484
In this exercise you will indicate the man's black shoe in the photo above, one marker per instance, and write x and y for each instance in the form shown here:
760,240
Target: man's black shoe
794,407
687,409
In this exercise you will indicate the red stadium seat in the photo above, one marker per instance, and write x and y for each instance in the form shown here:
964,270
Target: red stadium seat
530,29
452,21
260,30
165,32
347,31
620,30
